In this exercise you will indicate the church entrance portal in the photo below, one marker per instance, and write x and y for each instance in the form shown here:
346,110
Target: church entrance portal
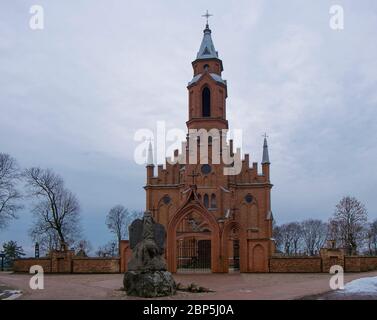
193,245
194,255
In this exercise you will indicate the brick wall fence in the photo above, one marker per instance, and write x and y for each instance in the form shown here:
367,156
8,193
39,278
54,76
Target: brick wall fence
295,264
95,265
321,264
360,264
23,265
66,262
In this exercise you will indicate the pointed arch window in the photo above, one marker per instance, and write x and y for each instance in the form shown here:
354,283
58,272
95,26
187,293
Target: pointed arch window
206,200
206,102
213,201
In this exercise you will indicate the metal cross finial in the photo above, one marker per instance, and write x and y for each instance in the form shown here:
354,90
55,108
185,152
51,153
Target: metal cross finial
193,175
265,135
207,15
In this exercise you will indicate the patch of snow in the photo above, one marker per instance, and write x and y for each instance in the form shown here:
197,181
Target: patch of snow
195,79
217,78
11,294
363,285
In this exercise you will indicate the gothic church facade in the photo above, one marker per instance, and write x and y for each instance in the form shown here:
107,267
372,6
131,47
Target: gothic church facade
213,221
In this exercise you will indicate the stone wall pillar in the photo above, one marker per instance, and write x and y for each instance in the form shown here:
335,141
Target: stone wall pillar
125,253
61,261
330,257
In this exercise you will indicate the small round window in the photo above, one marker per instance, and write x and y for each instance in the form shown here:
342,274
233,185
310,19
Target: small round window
206,169
166,199
249,198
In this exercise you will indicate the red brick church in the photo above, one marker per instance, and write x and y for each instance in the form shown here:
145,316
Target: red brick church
213,221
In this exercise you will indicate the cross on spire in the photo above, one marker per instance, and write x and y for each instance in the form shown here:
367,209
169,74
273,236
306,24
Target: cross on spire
265,135
193,175
207,15
266,158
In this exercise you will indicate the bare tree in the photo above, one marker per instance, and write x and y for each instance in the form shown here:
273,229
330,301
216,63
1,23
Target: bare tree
116,221
314,234
83,248
350,218
295,229
108,250
277,235
289,237
9,175
333,230
283,238
372,238
56,211
119,219
48,240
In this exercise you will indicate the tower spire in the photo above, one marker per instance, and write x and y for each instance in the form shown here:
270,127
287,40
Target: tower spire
207,49
150,154
266,158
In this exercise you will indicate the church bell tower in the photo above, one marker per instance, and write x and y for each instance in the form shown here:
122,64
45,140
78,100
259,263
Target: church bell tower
207,89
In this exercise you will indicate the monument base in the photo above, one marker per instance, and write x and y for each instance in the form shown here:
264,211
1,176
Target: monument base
149,284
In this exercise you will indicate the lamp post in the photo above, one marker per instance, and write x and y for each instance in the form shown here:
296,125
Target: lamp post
36,251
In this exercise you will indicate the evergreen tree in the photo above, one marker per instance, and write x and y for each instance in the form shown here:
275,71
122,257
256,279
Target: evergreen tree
12,251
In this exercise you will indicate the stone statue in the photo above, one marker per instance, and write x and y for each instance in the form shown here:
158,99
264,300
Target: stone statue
146,253
147,275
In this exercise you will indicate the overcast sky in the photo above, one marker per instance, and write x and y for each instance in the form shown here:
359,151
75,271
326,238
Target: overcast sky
73,95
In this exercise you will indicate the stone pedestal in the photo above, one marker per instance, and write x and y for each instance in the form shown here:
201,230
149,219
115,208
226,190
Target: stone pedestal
149,284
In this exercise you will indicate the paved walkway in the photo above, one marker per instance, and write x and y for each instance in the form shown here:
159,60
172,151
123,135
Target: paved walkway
226,286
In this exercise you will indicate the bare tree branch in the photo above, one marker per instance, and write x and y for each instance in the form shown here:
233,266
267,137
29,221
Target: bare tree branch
314,234
116,221
9,176
348,223
372,238
57,209
288,238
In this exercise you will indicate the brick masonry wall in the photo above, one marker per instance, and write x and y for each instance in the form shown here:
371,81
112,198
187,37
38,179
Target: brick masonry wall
76,265
276,264
360,264
368,263
352,264
23,265
96,265
295,264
